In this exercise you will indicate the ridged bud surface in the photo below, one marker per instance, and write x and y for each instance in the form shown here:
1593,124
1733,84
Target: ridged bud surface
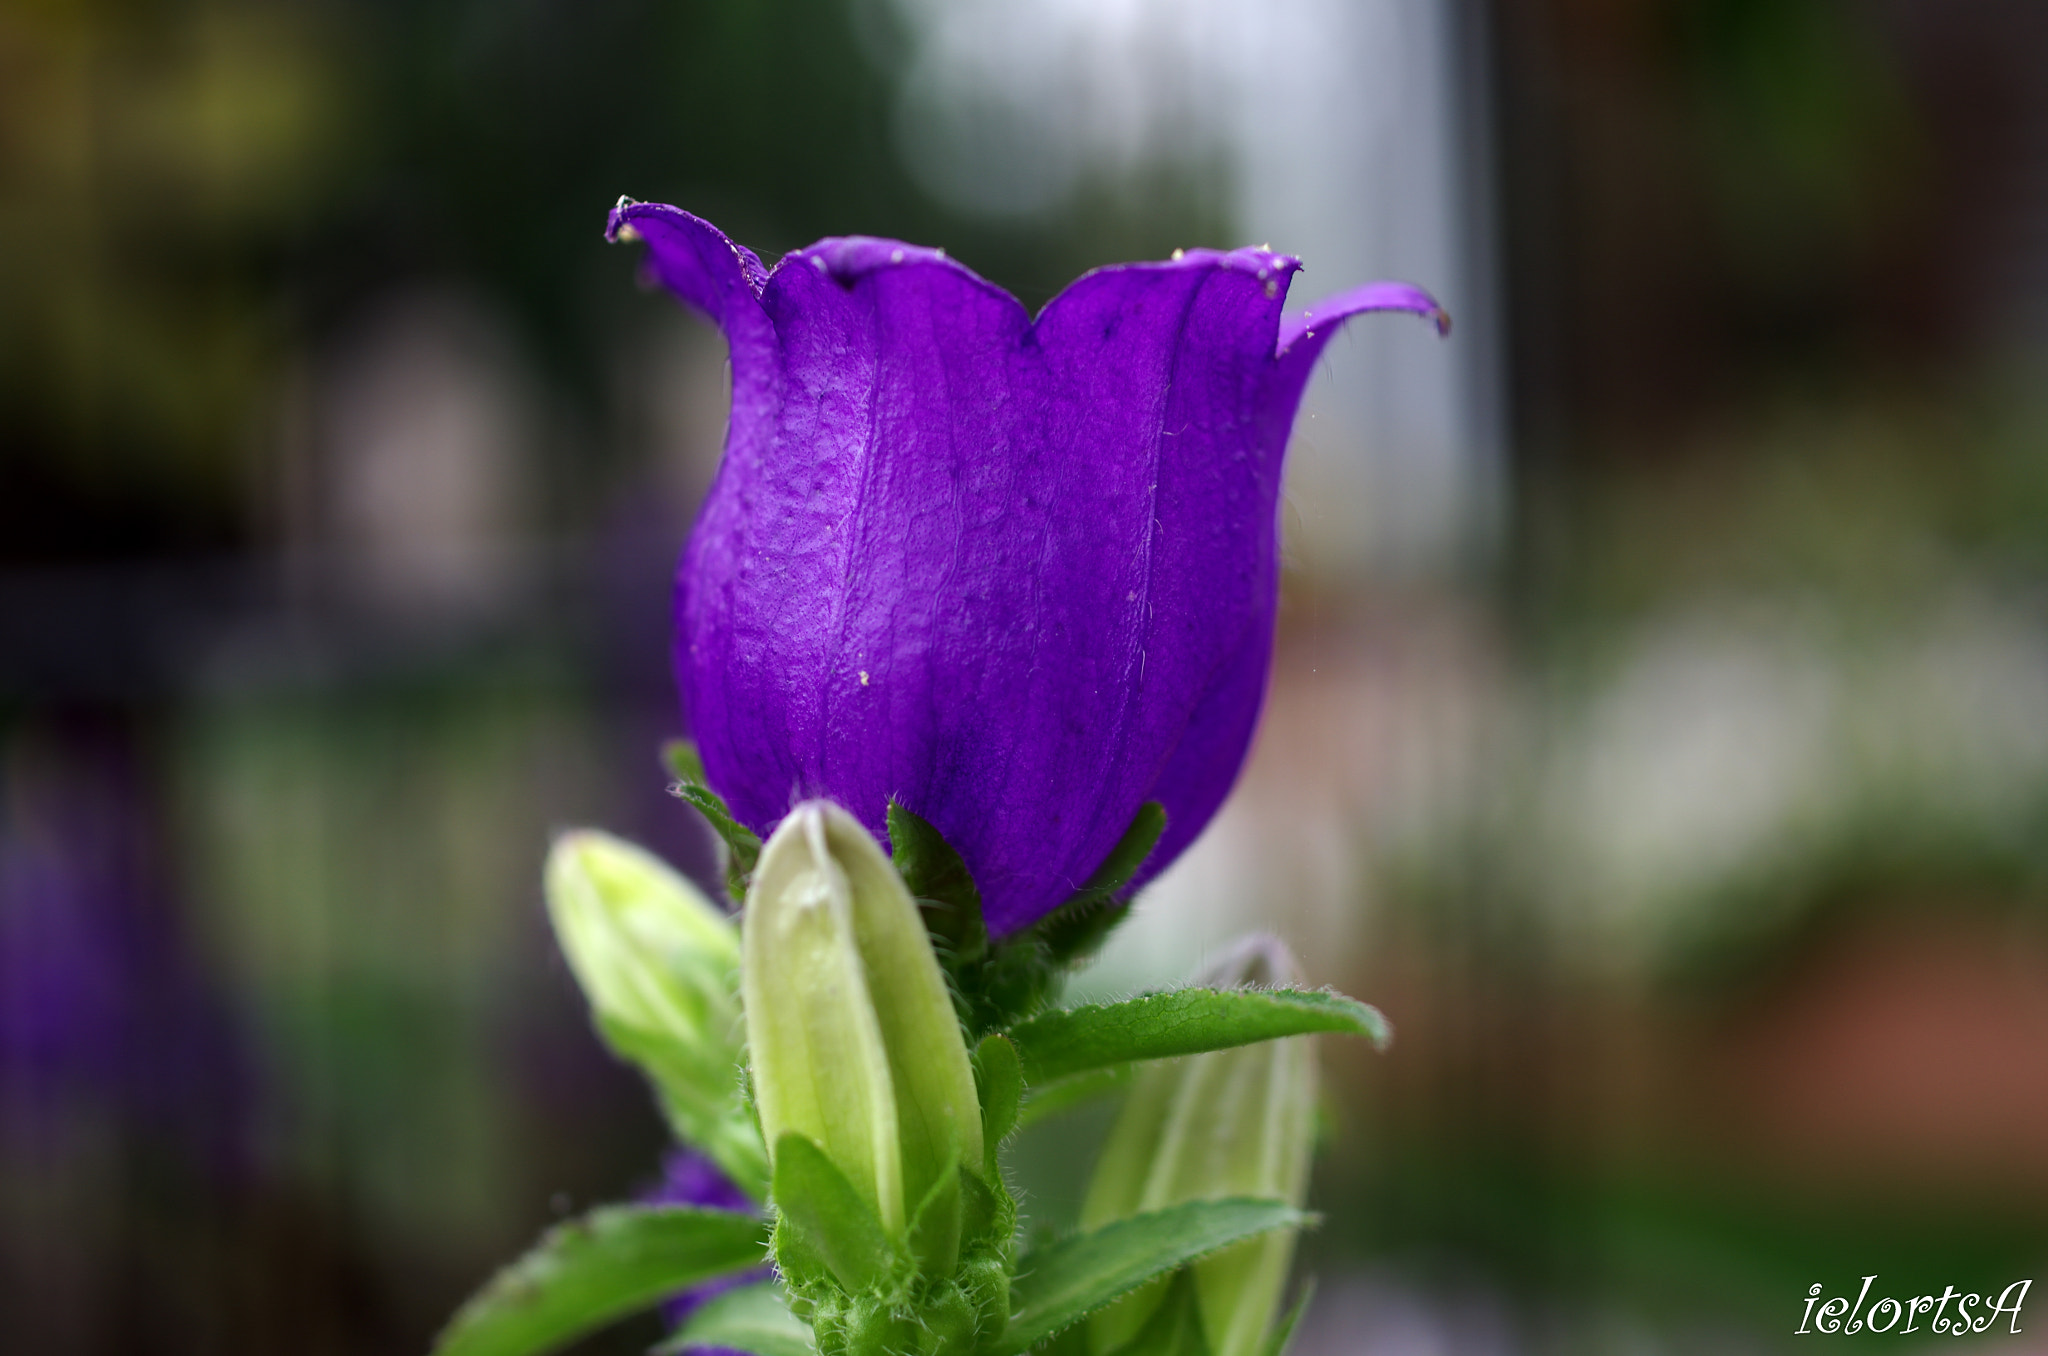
852,1036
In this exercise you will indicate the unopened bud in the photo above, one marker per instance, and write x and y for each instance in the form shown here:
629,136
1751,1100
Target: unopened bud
659,964
852,1037
1237,1122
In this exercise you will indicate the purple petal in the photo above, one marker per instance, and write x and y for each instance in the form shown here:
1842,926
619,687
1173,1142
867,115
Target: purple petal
1305,332
1019,575
1218,737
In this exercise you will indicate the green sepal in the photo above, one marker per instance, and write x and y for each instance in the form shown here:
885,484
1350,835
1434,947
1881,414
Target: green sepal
742,845
1050,1099
996,983
801,1267
988,1215
1077,929
1175,1326
1061,1284
1283,1333
813,1194
935,1228
999,1081
942,886
610,1263
1191,1021
753,1318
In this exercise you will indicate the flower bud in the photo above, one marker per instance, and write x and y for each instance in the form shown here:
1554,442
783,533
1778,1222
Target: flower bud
851,1034
1237,1122
659,964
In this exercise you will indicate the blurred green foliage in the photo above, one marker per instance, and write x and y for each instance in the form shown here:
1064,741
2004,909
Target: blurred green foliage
193,193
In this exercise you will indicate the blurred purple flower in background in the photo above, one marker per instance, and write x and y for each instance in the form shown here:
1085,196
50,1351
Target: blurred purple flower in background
1018,574
690,1178
102,1009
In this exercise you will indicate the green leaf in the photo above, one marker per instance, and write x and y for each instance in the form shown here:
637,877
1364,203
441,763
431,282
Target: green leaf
942,885
1071,1341
752,1318
1077,929
1063,1283
1183,1022
1049,1100
1276,1345
1175,1327
999,1080
742,846
813,1193
590,1271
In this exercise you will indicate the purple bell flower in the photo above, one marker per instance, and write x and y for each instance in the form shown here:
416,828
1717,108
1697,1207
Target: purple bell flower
1018,574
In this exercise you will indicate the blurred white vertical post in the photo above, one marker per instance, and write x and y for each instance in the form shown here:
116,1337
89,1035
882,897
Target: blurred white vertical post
1355,132
1362,148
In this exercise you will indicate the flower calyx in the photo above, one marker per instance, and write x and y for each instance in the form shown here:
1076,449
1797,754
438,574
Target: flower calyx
997,982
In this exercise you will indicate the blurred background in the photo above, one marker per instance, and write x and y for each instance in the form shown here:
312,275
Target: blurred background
1659,731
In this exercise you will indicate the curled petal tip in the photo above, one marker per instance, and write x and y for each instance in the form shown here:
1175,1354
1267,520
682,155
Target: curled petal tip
1320,320
616,227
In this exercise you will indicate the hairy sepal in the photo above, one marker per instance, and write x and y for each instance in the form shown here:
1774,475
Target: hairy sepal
740,848
997,982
